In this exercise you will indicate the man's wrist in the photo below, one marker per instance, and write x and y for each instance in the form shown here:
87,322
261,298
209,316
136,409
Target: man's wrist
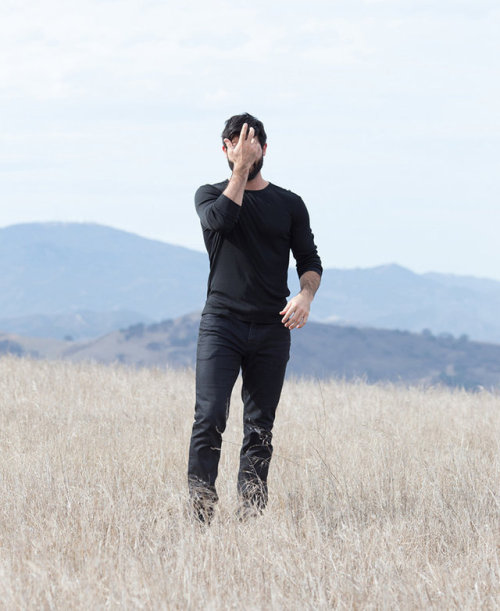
307,293
241,171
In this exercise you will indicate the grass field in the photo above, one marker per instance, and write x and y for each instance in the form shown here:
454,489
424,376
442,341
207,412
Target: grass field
380,497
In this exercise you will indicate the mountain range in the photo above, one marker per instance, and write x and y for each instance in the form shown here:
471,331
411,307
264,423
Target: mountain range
84,291
78,281
57,268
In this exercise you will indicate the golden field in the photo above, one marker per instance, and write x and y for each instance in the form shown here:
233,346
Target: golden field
380,497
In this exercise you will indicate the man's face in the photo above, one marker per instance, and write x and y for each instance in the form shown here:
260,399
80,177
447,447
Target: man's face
257,166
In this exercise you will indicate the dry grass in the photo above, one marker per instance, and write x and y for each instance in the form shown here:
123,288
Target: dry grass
381,497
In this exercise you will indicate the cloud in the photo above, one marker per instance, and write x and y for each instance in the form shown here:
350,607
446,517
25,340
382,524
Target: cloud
137,50
109,102
57,50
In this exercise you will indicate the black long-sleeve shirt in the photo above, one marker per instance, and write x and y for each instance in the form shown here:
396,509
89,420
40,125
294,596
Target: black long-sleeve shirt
249,249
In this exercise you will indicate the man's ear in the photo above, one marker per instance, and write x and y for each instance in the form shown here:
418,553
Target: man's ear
264,149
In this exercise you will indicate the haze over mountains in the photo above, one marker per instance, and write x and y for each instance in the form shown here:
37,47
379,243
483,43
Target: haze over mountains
84,280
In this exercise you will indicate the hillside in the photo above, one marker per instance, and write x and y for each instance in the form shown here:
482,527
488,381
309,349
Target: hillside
55,268
319,351
84,280
74,324
392,297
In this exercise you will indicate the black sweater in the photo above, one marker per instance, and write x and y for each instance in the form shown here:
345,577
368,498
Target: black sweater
249,249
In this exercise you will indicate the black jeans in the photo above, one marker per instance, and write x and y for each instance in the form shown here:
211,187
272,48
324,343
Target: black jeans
261,351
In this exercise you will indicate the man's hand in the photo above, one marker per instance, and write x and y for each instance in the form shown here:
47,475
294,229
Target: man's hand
296,312
244,150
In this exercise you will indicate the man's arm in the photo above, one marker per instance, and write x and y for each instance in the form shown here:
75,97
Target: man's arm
309,269
220,211
243,154
309,284
296,312
216,211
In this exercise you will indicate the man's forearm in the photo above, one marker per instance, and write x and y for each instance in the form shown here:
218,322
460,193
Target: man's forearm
309,283
242,154
236,186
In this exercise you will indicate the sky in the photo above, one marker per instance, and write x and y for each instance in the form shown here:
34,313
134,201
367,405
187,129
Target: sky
382,114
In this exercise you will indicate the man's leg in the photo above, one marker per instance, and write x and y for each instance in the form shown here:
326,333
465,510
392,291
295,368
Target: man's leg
263,370
217,366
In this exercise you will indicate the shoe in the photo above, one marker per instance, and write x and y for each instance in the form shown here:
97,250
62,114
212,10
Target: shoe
202,511
248,510
203,501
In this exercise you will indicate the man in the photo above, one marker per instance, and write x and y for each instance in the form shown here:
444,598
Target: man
249,227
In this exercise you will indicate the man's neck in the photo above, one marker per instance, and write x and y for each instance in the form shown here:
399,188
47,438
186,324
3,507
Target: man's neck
256,184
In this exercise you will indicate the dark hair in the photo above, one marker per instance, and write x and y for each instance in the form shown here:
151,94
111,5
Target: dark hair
234,124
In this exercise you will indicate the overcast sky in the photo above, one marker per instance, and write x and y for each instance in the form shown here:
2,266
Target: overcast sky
383,115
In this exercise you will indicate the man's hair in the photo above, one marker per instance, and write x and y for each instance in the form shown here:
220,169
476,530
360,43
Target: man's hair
234,124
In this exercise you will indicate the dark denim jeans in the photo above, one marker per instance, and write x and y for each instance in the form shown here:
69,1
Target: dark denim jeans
261,351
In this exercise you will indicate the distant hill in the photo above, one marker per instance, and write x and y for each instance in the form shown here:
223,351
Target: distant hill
56,268
392,297
84,280
318,350
73,325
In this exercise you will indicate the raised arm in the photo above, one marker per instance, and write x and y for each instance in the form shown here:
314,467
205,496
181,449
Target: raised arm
219,211
242,154
216,211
